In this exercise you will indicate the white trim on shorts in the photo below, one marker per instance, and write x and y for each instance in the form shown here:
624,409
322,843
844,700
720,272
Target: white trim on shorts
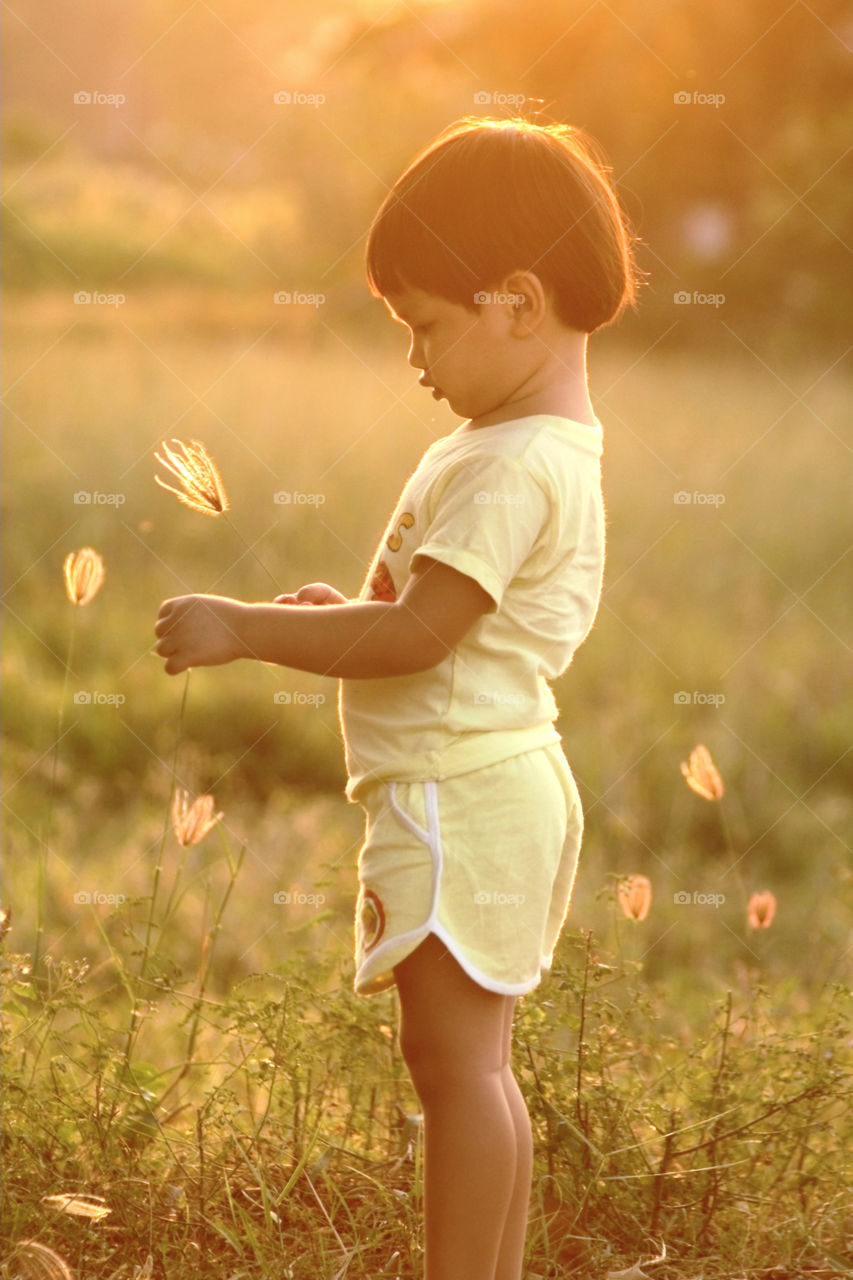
432,839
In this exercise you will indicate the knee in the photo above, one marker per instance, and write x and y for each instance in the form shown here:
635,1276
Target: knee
440,1070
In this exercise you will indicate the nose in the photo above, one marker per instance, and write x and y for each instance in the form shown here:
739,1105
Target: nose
416,359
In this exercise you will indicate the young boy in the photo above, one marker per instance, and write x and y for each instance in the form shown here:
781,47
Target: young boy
500,249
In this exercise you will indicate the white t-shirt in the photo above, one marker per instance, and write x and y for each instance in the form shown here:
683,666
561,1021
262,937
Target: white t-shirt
517,507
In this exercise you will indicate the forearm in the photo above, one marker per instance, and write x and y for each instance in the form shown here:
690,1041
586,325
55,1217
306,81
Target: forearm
352,640
362,640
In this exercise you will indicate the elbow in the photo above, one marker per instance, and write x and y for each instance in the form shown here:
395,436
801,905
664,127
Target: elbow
417,648
418,659
428,662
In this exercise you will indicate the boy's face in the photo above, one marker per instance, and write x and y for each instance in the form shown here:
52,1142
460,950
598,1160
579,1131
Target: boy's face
469,357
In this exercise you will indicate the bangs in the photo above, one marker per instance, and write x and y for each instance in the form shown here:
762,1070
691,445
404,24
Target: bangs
439,228
405,250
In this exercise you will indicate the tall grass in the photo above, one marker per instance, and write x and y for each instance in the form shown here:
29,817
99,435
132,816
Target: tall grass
272,1131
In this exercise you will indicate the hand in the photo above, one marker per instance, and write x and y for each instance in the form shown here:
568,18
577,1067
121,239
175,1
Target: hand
314,593
198,631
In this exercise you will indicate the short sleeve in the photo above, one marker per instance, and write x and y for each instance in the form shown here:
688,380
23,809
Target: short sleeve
486,522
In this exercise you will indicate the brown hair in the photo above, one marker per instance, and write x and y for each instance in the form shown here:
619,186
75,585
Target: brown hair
489,197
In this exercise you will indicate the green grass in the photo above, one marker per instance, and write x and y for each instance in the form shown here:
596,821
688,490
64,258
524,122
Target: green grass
701,1101
274,1131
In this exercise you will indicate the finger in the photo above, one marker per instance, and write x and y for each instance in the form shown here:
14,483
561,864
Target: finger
164,627
165,618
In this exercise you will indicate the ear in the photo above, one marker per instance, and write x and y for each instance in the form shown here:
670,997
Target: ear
529,303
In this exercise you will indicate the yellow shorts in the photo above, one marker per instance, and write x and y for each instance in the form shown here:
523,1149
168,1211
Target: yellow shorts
486,861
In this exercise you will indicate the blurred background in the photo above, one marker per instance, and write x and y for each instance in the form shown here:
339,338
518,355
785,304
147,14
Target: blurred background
145,147
187,186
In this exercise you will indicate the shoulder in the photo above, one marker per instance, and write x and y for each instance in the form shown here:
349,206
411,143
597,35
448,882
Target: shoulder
541,455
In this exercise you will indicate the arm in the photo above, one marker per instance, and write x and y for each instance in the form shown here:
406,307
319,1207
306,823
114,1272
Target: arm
357,640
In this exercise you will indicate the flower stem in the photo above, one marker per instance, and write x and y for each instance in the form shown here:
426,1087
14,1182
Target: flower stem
167,822
44,848
730,850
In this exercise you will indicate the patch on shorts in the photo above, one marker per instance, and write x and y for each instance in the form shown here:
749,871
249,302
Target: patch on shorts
371,920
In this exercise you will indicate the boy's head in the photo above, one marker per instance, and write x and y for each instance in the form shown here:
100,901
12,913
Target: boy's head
489,197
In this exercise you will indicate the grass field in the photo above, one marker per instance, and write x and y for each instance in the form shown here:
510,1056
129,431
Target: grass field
238,1110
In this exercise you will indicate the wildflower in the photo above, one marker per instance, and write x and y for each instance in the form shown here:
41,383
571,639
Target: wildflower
761,909
202,488
701,774
635,896
192,822
84,575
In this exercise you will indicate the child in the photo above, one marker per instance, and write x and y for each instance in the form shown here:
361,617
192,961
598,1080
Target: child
500,249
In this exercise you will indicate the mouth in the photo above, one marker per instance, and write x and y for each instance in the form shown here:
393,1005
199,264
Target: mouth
437,393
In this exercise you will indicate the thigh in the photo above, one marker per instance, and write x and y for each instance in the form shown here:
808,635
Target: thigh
446,1019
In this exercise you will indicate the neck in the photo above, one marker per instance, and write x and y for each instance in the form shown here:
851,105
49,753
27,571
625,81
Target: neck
557,385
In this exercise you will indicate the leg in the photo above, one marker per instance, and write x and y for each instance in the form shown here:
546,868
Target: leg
452,1034
511,1254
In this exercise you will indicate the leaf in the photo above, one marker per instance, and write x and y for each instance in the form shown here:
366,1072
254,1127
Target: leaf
80,1204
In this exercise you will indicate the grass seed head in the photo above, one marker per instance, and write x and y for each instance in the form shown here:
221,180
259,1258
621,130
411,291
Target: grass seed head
192,822
701,774
79,1204
31,1260
761,909
201,484
635,896
84,575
